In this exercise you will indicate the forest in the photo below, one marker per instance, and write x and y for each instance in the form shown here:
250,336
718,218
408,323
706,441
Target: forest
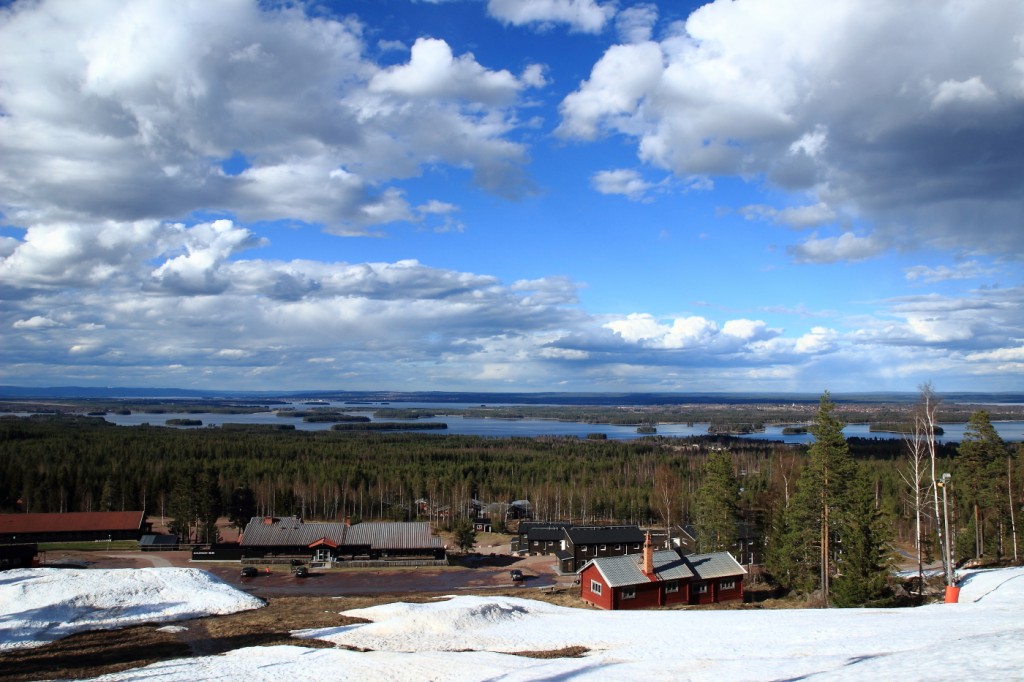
60,462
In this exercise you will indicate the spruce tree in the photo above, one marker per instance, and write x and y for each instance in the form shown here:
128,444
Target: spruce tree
865,557
716,508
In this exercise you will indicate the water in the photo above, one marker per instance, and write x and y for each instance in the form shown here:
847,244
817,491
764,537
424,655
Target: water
1012,431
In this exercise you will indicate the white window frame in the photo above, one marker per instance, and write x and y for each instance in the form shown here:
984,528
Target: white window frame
671,588
628,593
596,587
583,548
618,548
727,585
701,588
604,548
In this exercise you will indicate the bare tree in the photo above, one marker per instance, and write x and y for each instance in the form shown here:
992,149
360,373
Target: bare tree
914,478
927,410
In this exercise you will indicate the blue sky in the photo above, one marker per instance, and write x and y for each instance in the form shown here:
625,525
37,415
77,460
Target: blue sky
520,195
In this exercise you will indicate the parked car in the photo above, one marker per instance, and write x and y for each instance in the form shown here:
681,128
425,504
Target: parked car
517,575
250,572
301,572
298,562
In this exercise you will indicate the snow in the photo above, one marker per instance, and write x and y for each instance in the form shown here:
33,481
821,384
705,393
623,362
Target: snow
39,605
469,638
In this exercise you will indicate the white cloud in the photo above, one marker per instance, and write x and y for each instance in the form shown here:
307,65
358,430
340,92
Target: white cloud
970,91
36,322
810,215
124,111
624,181
845,247
636,24
903,115
433,71
942,273
585,16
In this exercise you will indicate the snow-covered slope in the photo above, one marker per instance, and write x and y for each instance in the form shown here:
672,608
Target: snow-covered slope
463,639
38,605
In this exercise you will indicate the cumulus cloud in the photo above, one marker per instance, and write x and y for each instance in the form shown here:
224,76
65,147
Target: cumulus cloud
624,181
887,112
433,71
585,16
126,111
693,332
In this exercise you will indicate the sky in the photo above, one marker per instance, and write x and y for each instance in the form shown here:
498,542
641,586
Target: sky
464,637
521,195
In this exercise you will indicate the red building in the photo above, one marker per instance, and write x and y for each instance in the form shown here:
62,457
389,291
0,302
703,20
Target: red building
660,578
72,526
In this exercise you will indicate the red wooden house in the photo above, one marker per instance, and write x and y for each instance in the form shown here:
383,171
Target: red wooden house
660,578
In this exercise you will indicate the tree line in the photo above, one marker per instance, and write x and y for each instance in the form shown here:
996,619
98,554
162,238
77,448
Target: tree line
811,506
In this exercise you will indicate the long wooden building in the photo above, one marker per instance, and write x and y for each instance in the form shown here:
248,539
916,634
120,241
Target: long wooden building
333,541
72,526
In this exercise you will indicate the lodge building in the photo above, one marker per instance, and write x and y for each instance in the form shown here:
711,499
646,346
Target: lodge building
660,578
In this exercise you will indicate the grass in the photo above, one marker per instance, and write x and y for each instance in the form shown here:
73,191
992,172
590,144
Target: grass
90,654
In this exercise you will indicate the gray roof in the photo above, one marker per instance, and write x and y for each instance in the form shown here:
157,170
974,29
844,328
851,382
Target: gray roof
627,570
715,565
592,535
384,535
291,531
545,533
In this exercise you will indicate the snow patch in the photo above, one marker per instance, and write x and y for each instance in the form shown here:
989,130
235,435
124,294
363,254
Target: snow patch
39,605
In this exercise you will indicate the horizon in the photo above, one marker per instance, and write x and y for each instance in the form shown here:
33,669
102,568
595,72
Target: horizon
513,196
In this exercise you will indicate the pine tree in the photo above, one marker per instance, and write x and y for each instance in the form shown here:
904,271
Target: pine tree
716,510
802,554
979,474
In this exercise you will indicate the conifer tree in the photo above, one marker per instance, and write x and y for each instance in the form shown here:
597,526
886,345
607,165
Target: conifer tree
865,558
801,555
979,473
716,510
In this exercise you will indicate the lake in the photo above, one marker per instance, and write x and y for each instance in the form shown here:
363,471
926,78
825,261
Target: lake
1011,431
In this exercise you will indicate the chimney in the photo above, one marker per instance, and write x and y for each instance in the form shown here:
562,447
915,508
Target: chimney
648,557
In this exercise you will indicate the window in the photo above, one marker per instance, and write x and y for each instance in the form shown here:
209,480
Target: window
629,593
671,588
727,585
636,546
604,548
583,548
535,543
618,548
702,588
595,587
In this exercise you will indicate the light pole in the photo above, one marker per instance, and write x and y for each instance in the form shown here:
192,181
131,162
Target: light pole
944,484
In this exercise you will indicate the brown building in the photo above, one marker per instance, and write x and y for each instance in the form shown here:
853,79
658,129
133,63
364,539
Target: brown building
72,526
